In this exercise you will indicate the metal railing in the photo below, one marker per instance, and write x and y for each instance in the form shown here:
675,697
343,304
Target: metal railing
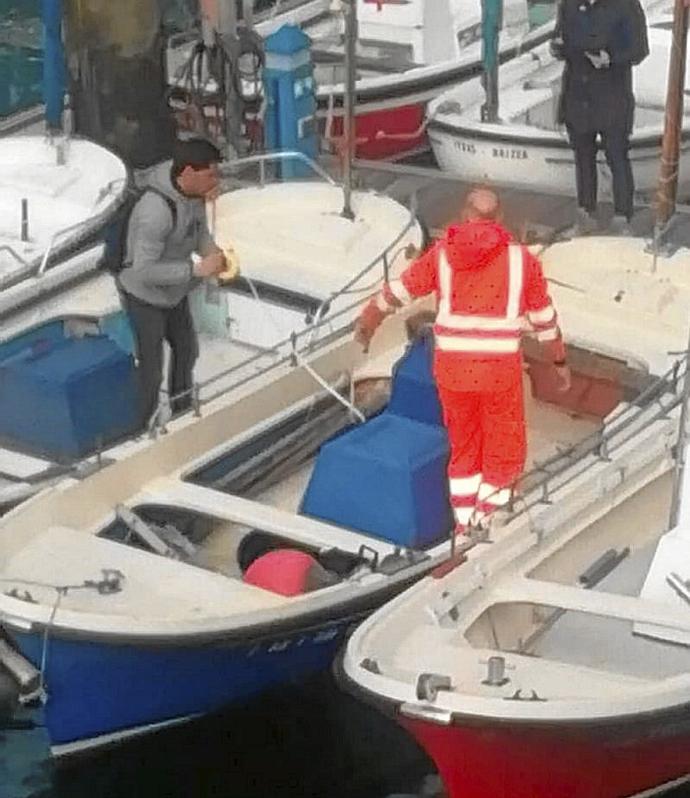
298,343
13,252
37,268
536,486
262,159
51,245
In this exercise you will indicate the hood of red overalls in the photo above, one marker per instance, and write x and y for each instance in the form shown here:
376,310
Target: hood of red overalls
474,244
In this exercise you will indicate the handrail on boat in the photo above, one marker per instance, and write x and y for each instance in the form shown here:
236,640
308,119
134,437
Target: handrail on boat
319,320
13,252
600,443
31,269
51,244
269,157
288,349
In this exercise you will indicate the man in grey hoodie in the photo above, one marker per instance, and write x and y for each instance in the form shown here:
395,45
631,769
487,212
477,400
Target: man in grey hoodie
158,272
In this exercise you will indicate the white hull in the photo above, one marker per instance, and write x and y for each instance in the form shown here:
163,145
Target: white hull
527,148
508,159
69,188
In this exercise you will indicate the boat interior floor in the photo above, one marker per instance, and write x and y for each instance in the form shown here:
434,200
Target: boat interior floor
550,430
533,102
600,637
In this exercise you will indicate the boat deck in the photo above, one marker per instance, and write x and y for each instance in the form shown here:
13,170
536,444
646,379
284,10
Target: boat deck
534,216
574,642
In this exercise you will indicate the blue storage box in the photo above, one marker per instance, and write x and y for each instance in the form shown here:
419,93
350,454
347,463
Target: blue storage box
66,398
386,478
414,393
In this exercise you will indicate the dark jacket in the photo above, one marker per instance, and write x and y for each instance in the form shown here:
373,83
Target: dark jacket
599,99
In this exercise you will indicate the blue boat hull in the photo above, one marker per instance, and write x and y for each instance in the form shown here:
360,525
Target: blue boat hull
96,689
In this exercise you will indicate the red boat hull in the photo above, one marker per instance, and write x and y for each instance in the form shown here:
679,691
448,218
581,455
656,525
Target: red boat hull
400,127
608,760
403,122
397,109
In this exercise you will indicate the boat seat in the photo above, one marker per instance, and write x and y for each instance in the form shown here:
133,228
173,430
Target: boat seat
516,105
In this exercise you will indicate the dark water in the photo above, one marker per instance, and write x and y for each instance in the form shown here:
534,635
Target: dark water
21,55
308,741
300,742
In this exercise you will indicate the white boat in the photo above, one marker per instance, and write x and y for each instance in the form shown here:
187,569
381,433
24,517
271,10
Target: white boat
305,267
163,624
56,197
527,147
407,53
551,662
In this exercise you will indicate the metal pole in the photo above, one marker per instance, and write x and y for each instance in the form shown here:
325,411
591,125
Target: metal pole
25,220
350,10
492,12
681,446
53,63
668,178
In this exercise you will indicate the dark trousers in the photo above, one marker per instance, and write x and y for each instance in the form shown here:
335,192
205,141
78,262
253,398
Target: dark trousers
151,326
616,143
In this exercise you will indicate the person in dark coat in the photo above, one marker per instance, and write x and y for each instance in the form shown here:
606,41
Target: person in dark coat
600,41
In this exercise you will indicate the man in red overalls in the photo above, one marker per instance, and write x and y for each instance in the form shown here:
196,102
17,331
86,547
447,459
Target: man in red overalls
488,291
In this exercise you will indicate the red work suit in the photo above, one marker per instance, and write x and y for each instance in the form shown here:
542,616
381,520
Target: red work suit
489,290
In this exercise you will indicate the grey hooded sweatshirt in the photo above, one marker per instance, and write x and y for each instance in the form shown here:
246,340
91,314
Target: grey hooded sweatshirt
158,265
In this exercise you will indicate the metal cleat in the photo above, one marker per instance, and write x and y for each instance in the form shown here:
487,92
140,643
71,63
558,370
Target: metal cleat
496,671
429,684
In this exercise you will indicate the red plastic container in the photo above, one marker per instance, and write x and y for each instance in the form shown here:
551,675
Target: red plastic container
592,396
